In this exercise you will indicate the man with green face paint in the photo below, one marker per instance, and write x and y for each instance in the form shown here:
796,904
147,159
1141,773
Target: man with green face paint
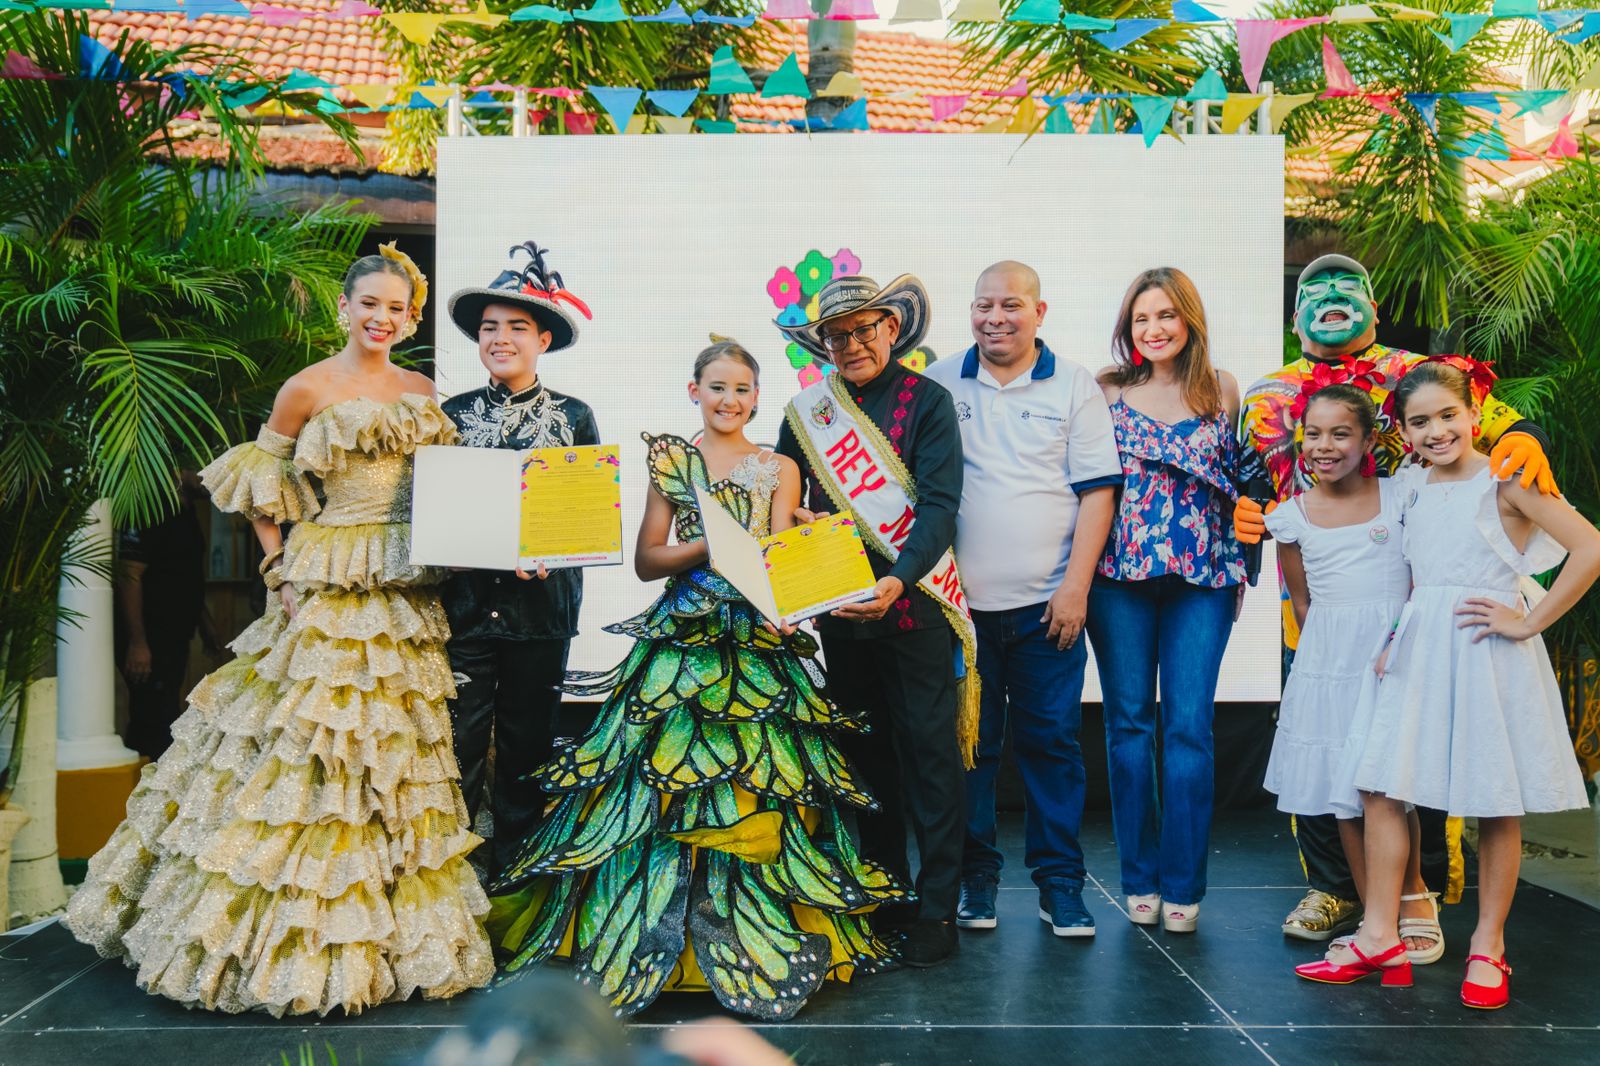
1336,318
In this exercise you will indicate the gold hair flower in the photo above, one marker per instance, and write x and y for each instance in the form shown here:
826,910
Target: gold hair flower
419,284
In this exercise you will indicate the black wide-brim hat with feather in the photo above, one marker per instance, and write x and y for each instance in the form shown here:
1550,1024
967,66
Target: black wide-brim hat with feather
535,288
904,297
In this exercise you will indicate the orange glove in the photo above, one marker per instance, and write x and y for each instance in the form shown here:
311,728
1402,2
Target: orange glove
1250,521
1518,452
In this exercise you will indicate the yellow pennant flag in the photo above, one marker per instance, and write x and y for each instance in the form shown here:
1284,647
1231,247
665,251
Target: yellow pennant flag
1590,80
371,94
917,11
1024,118
1237,108
977,11
668,124
1282,105
481,17
1354,13
844,83
418,27
436,94
1402,13
999,125
636,123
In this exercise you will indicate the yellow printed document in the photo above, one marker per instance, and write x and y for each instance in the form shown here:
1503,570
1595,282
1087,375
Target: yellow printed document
497,509
571,507
794,575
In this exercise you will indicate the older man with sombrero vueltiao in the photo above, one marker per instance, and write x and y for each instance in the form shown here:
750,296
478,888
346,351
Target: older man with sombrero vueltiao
878,440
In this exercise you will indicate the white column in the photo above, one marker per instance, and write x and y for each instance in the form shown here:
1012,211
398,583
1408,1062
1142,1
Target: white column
85,688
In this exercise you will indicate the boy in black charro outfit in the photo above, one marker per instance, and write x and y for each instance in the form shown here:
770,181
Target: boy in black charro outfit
510,633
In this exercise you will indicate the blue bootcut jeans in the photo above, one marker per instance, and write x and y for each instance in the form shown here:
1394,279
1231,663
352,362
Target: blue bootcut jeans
1141,629
1039,689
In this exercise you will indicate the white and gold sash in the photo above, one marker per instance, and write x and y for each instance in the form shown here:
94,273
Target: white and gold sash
862,474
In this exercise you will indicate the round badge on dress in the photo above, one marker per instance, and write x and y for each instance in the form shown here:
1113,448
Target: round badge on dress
1379,534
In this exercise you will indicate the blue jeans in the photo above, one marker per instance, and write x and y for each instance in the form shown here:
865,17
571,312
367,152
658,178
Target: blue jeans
1040,689
1140,629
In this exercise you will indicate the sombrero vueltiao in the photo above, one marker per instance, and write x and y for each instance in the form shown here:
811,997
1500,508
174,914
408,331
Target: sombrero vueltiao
904,296
533,287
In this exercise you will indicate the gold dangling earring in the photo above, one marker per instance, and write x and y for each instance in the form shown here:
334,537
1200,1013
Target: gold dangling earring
342,320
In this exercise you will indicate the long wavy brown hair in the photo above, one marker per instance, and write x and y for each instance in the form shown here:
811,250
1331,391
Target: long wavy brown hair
1196,376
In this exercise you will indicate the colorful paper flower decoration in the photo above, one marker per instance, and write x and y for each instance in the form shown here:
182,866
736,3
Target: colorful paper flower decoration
797,356
809,376
784,288
793,315
815,271
845,263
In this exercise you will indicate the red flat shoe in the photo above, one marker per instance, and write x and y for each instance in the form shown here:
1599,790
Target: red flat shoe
1485,997
1333,973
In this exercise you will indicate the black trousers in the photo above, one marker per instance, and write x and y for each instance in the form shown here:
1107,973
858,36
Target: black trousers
507,691
157,701
906,686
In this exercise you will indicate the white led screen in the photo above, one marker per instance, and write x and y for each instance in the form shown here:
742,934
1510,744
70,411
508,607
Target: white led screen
668,239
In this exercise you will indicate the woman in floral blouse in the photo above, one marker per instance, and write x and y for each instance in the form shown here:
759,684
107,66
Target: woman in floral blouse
1163,600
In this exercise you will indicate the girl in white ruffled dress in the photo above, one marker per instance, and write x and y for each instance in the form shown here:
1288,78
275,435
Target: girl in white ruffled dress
1468,717
1339,548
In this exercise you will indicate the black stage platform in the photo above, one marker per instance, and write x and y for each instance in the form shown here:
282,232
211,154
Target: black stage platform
1015,995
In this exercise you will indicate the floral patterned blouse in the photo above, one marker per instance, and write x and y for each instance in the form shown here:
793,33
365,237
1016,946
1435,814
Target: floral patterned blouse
1174,511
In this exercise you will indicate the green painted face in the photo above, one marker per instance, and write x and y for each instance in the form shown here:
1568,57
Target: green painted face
1334,307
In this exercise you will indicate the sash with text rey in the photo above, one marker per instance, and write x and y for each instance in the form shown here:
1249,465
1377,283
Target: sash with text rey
862,474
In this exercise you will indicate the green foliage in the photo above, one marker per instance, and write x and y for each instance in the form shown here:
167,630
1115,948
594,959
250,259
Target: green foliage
148,306
1527,293
306,1055
1057,60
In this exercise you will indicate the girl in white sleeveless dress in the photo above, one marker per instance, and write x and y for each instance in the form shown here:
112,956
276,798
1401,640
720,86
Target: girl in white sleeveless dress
1348,579
1468,717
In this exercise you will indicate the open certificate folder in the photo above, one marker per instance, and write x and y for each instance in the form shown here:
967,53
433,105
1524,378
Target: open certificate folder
497,509
790,576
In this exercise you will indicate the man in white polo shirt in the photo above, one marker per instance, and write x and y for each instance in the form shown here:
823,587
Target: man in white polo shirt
1036,506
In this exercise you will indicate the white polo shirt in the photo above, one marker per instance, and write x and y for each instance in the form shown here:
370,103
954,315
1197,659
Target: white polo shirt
1030,447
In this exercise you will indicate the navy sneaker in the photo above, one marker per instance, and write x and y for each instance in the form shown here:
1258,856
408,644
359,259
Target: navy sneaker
977,902
1061,905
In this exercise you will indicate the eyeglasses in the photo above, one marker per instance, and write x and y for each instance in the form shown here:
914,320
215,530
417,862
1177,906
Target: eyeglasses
1347,285
838,342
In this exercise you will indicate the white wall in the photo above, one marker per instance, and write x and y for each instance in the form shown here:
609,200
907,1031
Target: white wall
671,238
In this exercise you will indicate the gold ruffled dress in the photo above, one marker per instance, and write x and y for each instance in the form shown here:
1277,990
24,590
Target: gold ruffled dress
301,845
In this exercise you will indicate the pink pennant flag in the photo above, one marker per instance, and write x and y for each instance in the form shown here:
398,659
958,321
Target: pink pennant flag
1256,38
354,9
558,90
1337,75
946,106
1565,145
277,16
852,10
18,65
579,123
1019,88
1383,102
788,10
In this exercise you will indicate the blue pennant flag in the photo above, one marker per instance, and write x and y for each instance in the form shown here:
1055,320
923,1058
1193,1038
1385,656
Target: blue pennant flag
673,14
619,102
1484,144
1583,30
1489,102
1189,11
1427,105
1128,31
742,21
97,62
853,117
193,9
673,101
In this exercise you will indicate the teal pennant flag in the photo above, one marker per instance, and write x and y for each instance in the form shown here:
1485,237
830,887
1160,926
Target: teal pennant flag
727,76
787,80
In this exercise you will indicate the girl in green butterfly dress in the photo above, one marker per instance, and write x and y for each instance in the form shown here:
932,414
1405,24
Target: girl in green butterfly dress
697,839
